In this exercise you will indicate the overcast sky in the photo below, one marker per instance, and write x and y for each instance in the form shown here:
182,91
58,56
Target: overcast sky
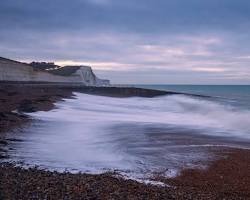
134,41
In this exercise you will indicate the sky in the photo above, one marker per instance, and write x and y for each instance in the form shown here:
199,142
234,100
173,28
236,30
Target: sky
134,41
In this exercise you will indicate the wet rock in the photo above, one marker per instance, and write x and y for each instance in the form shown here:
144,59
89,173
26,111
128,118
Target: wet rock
26,106
3,142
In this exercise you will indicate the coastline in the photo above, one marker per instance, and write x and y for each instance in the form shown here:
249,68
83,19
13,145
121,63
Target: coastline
225,178
18,98
229,176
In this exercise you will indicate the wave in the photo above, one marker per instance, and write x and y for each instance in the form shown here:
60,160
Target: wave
135,135
179,110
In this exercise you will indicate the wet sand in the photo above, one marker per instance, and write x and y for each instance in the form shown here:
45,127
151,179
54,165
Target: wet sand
228,177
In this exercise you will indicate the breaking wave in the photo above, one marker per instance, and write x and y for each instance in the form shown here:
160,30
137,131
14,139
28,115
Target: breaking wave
136,135
178,110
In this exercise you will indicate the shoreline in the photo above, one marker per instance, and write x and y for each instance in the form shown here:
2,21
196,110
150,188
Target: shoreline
226,177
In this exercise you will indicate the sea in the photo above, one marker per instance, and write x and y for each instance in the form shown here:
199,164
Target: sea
136,137
238,95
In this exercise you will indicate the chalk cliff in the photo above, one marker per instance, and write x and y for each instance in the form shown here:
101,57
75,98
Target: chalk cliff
84,72
11,70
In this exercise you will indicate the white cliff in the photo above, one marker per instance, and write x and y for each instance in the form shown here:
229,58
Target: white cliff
20,72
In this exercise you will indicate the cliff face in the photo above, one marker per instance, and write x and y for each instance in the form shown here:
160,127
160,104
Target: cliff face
85,72
15,71
90,78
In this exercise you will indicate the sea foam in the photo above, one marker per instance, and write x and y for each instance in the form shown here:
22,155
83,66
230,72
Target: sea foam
136,136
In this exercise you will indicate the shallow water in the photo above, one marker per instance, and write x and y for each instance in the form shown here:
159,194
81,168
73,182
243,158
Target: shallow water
137,136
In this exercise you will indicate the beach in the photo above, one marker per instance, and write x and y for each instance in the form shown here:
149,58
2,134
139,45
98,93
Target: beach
227,175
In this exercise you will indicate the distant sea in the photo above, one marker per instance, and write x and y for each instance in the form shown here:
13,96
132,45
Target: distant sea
236,94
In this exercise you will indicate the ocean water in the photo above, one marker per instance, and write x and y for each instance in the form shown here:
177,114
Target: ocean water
238,95
136,136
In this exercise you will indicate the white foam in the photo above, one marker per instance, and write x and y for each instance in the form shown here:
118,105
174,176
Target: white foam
175,110
96,134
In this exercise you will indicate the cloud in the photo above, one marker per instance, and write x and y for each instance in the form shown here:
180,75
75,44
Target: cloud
99,2
243,57
207,69
181,41
107,66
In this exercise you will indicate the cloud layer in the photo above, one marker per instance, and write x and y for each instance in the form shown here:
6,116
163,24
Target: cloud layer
134,41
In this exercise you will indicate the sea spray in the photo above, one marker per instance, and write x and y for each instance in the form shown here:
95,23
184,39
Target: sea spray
136,136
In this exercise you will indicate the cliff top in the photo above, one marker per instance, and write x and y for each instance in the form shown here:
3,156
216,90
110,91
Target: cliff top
48,67
44,65
14,61
66,71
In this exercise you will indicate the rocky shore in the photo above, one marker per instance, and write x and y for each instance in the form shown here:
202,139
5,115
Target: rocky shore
228,177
